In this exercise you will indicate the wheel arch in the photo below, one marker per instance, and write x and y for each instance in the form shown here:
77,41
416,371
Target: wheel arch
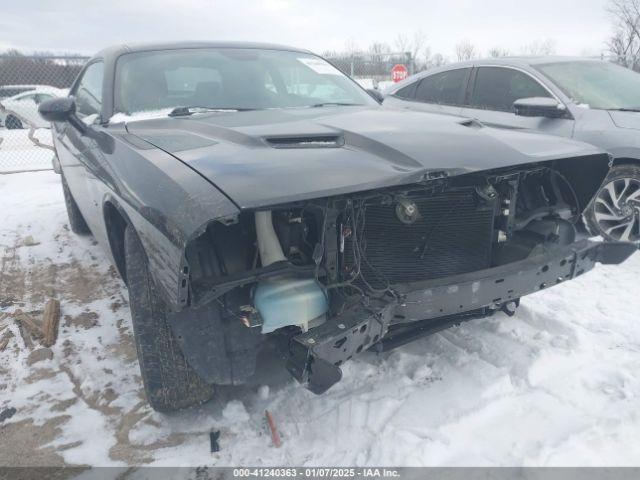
625,160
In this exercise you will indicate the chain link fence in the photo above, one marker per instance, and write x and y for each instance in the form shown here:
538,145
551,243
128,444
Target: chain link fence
25,82
373,70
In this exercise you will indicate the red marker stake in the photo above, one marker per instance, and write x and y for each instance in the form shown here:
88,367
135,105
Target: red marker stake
275,436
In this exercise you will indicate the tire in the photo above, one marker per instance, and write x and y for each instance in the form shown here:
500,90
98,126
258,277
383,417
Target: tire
13,123
614,212
169,382
76,220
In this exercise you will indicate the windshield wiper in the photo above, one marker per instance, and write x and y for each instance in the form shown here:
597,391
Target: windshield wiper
334,104
624,109
186,111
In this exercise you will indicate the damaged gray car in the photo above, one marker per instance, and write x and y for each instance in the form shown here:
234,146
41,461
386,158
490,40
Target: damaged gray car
252,194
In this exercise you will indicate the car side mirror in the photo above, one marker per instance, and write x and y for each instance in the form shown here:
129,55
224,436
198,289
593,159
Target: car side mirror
57,109
376,94
64,110
540,107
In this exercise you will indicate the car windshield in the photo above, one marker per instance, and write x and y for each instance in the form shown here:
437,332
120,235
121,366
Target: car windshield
230,79
600,85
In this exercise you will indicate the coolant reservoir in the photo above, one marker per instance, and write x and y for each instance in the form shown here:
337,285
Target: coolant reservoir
285,300
290,301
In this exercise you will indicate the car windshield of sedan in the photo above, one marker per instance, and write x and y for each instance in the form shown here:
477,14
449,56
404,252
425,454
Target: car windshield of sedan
599,85
230,79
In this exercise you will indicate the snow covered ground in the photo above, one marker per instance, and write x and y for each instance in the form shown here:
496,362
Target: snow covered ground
18,153
557,384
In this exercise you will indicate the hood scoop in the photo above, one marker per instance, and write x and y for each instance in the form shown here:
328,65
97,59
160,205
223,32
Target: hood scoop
306,141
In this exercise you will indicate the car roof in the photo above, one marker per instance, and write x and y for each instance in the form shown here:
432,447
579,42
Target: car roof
515,61
35,90
117,50
13,87
522,60
29,87
535,60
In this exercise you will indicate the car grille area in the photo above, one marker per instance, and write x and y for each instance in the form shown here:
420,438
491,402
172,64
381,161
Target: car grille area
451,234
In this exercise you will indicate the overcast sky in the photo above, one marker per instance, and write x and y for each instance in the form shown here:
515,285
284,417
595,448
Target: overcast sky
576,26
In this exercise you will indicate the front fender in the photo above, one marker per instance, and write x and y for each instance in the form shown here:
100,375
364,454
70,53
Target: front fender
166,202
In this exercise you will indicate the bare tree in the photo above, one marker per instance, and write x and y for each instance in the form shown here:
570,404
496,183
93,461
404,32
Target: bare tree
379,48
351,46
425,57
496,52
401,42
438,60
378,51
540,47
330,53
418,44
465,50
430,60
624,44
414,46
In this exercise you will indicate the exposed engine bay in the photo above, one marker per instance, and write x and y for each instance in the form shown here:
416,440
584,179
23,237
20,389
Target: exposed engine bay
336,276
365,244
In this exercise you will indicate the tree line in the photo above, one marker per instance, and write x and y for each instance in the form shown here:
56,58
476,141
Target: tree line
623,47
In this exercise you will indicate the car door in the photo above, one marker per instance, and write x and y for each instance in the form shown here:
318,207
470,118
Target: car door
442,92
76,152
493,91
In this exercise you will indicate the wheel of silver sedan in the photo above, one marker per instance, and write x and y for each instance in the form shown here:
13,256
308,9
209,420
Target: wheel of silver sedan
617,209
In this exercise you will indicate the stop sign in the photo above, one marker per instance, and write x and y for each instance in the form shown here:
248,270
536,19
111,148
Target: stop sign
399,72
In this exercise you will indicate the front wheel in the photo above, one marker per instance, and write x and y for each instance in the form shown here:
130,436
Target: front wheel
614,213
169,382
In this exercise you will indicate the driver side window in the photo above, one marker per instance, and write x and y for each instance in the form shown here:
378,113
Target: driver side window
496,88
88,92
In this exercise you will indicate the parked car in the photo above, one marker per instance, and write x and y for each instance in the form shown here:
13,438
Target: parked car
585,99
11,90
22,108
241,209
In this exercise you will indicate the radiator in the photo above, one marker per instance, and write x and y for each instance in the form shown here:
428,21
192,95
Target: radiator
452,235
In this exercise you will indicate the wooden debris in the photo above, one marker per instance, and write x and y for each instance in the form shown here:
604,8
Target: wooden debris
50,322
275,436
29,324
28,328
26,336
5,340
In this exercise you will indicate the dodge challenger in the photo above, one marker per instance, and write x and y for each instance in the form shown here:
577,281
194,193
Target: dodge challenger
252,194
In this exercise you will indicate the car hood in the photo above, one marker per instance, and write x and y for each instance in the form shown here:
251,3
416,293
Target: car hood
626,119
270,157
